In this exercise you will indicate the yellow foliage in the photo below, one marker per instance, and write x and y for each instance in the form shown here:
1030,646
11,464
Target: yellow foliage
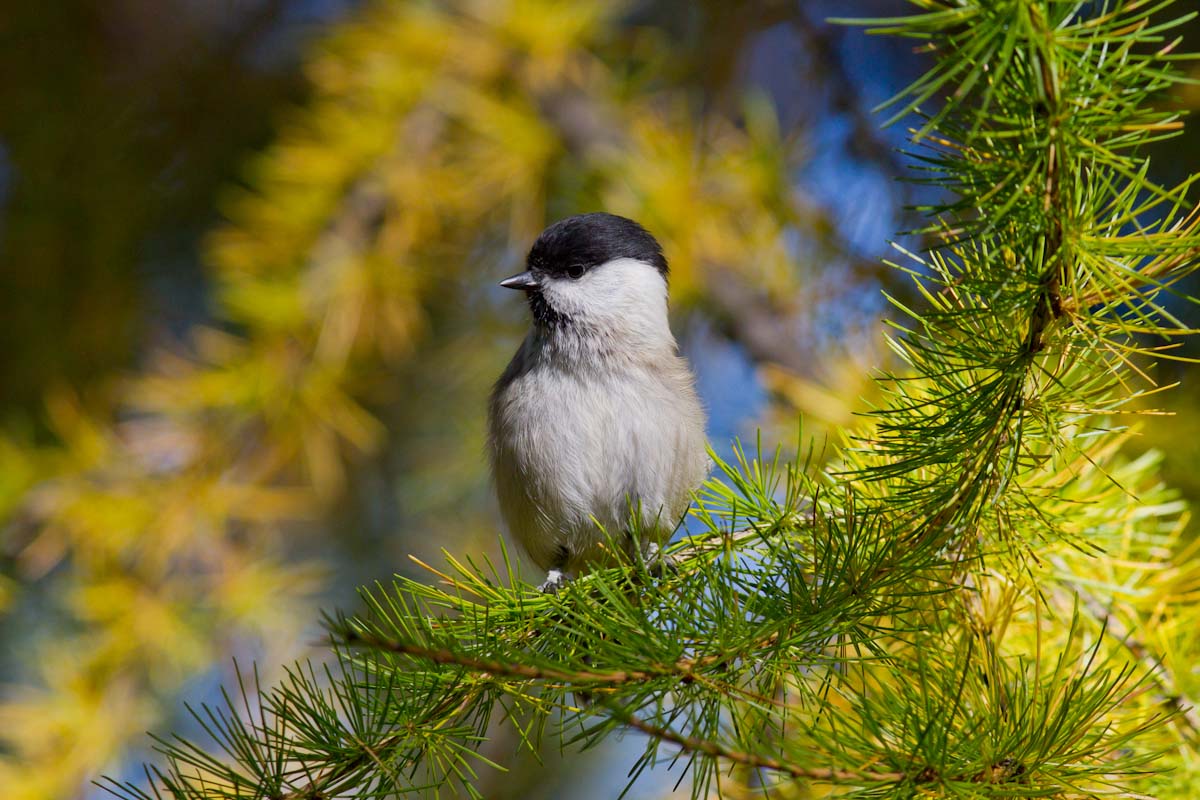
71,723
436,144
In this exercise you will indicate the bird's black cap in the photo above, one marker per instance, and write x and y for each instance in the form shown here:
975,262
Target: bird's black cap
589,240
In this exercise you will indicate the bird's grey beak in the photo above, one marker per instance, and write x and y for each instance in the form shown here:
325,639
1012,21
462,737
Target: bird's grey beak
524,280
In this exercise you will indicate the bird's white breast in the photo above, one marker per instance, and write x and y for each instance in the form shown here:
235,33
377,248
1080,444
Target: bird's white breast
576,439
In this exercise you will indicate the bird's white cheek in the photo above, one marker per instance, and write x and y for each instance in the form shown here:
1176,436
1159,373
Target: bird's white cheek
568,297
623,297
627,281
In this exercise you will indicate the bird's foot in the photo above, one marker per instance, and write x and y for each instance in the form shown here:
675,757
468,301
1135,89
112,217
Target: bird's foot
555,580
659,563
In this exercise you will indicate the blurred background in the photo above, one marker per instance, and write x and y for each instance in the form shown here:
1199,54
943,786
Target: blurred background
249,314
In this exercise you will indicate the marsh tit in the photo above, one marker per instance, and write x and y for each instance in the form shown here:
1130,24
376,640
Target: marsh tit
596,416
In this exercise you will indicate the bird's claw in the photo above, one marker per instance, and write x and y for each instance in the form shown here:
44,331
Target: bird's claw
555,580
659,563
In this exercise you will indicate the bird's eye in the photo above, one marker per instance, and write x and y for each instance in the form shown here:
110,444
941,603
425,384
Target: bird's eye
575,271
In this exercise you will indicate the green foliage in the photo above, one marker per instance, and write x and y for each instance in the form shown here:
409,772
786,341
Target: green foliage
739,653
1056,249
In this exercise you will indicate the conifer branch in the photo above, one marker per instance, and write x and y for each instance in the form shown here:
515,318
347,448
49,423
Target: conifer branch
718,750
1054,264
683,669
1004,771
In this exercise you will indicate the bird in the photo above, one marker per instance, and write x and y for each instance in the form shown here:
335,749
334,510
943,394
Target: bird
596,422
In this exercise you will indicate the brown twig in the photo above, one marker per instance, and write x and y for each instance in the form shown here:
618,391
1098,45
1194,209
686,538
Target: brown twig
718,750
682,668
1050,304
1005,770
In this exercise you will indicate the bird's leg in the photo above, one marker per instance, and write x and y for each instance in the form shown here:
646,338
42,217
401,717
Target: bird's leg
557,577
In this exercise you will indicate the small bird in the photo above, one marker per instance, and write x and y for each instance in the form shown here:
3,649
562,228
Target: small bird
596,417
